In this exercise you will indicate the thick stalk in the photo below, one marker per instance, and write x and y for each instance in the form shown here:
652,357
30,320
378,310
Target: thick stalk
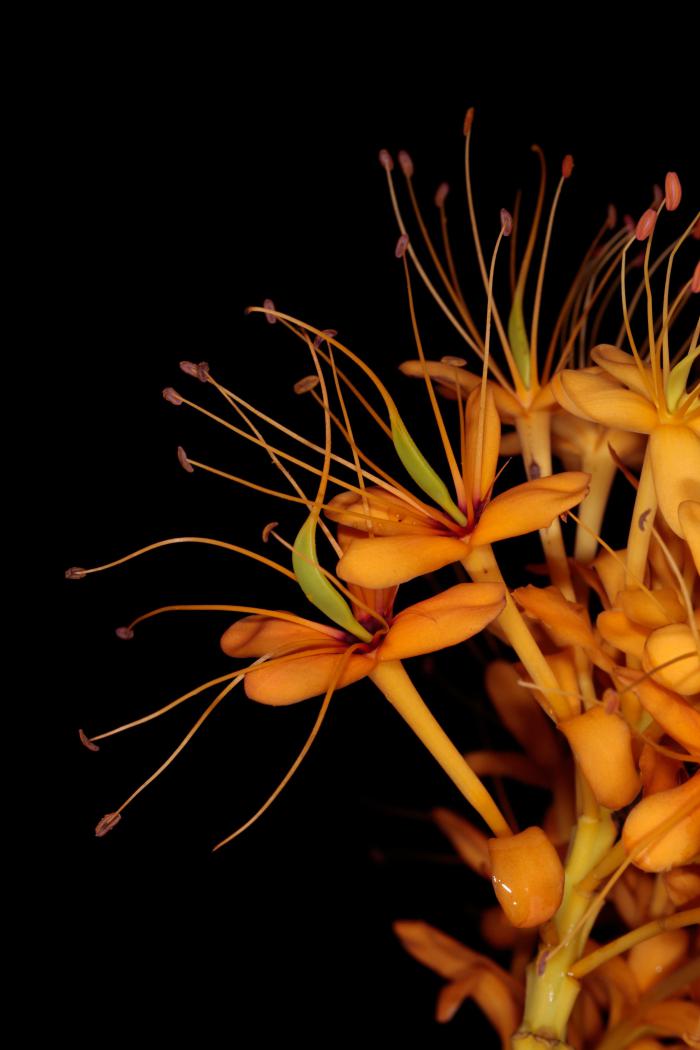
641,527
551,992
391,679
482,566
602,469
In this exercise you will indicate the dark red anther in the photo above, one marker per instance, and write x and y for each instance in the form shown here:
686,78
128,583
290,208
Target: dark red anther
86,741
302,386
506,222
469,120
612,217
109,821
269,305
328,333
386,160
268,529
125,633
183,460
406,163
645,225
672,186
401,246
440,194
567,166
172,396
200,371
75,573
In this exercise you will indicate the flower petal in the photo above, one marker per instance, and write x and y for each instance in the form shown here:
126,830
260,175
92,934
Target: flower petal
624,368
677,846
590,393
445,619
675,716
670,643
303,677
689,519
390,516
613,779
530,506
675,463
258,635
384,561
448,376
478,489
435,949
469,842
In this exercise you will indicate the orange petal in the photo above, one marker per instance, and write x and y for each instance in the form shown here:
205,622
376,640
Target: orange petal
675,462
689,519
479,491
624,368
448,376
530,506
590,393
491,993
683,885
470,843
304,677
390,515
527,876
507,764
520,713
674,715
257,635
435,949
659,772
668,643
663,608
655,958
445,619
566,622
386,561
674,1017
675,847
619,631
602,744
611,571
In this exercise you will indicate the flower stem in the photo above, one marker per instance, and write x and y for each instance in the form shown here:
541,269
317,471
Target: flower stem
641,528
391,679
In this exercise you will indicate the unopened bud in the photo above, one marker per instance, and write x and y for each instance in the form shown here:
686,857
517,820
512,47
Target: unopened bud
527,876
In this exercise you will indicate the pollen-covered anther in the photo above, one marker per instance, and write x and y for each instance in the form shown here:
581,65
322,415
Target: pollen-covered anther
567,166
645,225
200,371
86,741
468,120
673,191
440,194
302,386
328,333
75,573
269,528
386,160
401,246
506,222
172,396
406,163
125,633
183,460
454,362
269,317
109,821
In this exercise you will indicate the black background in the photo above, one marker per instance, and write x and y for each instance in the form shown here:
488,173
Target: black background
195,170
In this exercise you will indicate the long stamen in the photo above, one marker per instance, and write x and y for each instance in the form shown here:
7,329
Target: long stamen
351,441
440,197
78,573
567,167
626,316
645,231
337,674
449,454
516,323
111,819
127,632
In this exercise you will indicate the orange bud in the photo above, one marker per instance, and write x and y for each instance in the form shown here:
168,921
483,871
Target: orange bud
527,876
602,744
670,643
675,716
680,843
658,956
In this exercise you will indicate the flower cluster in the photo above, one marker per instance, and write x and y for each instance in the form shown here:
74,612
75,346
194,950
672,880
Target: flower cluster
597,680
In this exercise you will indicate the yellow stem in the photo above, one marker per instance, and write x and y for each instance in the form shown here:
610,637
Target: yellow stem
391,680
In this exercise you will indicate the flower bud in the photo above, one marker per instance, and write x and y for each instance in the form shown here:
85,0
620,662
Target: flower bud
680,843
602,744
527,876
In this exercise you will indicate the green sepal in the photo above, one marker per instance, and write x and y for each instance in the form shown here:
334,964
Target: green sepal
677,380
519,343
317,587
420,470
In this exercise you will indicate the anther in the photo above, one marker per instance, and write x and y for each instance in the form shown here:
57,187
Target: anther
385,159
125,633
184,461
271,525
328,333
506,222
269,305
673,191
406,163
468,120
172,396
658,194
628,223
612,216
75,573
200,371
109,821
401,246
302,386
86,741
440,194
567,166
456,362
645,225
